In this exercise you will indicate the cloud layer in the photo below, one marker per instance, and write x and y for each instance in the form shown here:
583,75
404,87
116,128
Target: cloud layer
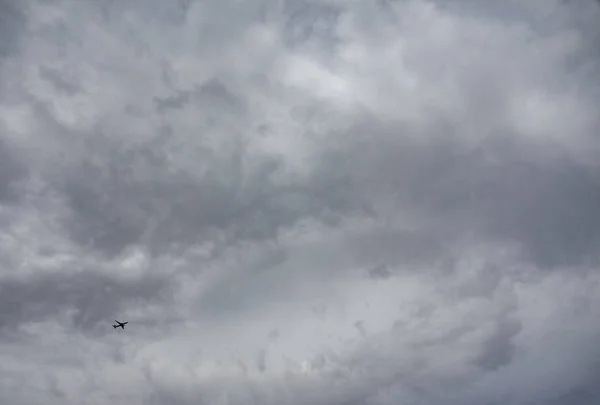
324,202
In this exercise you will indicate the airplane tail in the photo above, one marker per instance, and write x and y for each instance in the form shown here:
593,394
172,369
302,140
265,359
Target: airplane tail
114,326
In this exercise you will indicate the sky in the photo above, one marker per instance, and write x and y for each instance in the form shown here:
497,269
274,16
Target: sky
300,202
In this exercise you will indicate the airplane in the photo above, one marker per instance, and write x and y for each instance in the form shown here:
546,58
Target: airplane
121,324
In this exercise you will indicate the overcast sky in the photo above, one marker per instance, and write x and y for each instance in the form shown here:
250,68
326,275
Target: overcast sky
300,202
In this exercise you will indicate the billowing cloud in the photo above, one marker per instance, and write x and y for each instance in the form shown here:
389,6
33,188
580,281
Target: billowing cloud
325,202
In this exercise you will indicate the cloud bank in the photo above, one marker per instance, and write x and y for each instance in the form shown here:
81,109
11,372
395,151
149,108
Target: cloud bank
294,202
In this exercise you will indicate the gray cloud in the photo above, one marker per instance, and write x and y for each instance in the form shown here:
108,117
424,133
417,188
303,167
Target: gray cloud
498,350
91,296
12,19
299,202
113,208
60,83
547,206
12,171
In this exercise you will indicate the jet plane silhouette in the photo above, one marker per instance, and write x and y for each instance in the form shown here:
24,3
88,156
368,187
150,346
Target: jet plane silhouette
121,324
